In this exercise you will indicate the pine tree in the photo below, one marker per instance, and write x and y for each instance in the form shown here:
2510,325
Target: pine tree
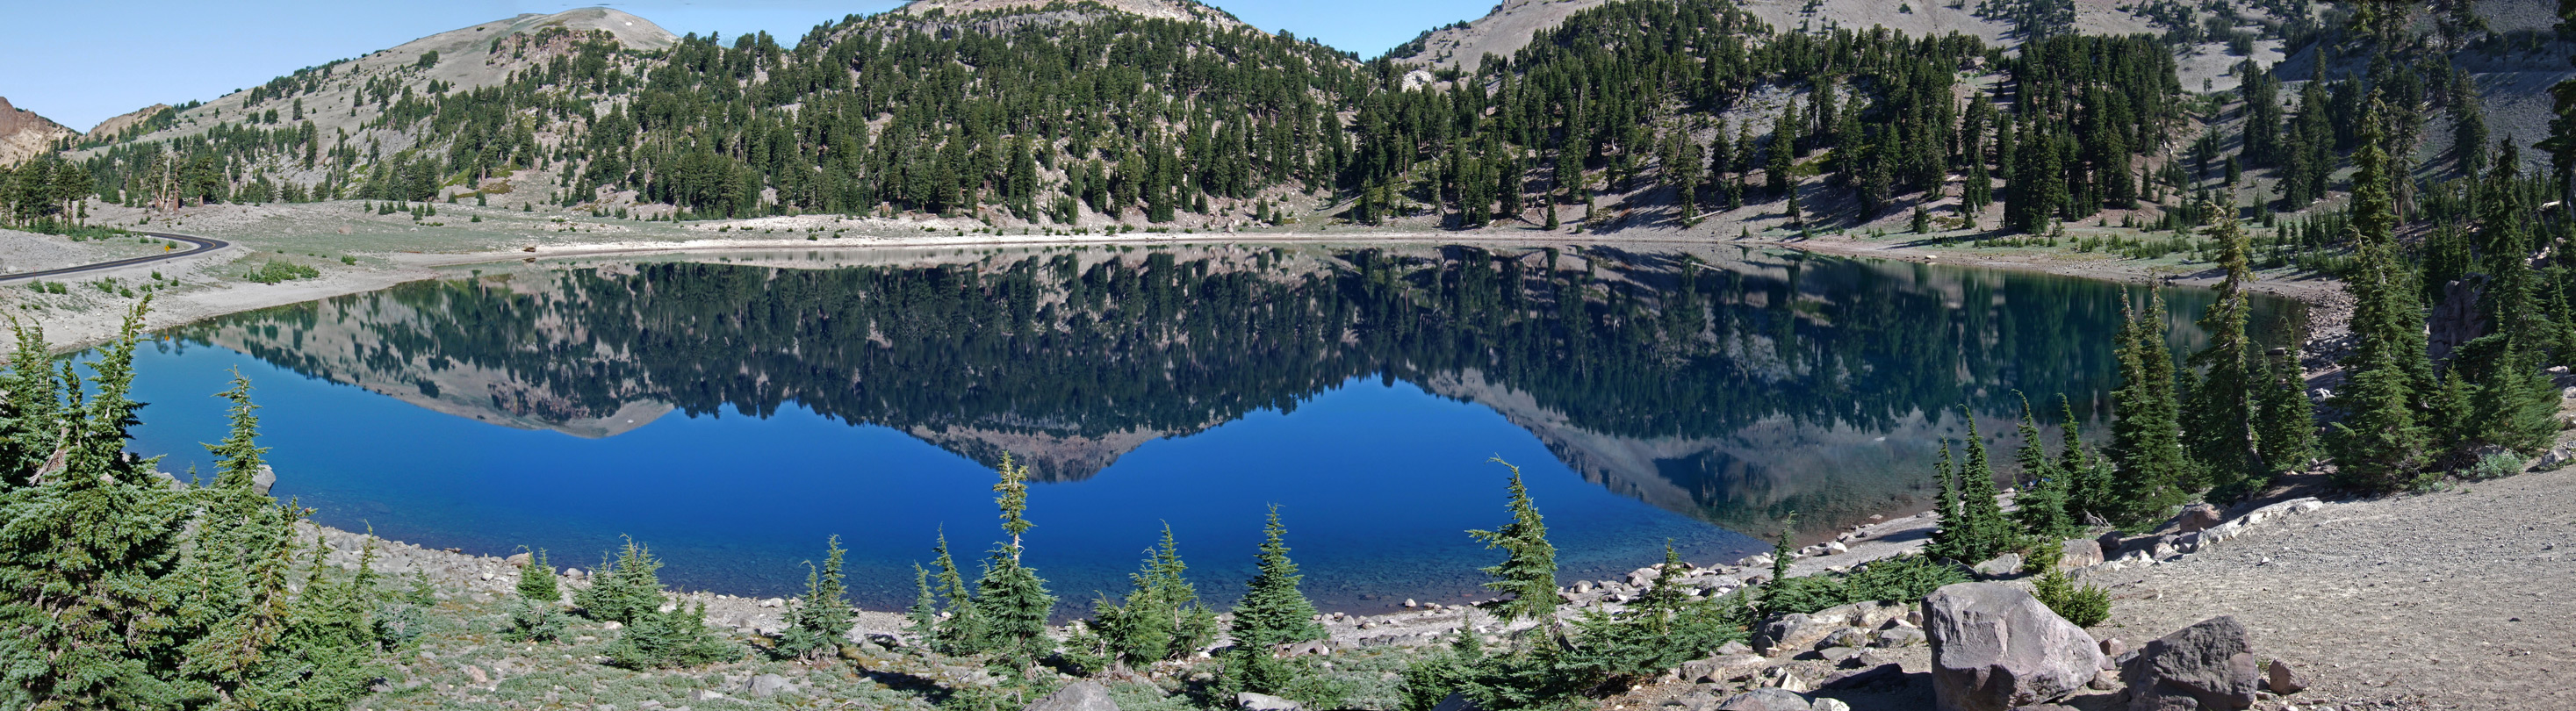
536,615
2285,421
1161,617
84,573
815,628
1947,539
922,618
2220,421
2088,477
964,632
1528,572
2381,444
626,590
2146,441
1987,533
2041,507
1012,598
1273,612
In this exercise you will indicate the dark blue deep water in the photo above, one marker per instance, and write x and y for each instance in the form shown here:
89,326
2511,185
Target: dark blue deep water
735,413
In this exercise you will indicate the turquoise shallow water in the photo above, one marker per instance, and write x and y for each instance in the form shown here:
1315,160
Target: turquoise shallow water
734,415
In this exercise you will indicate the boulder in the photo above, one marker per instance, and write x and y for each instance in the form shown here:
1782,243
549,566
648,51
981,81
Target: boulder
1723,668
1852,637
768,685
2002,566
2198,517
2079,553
1829,705
1733,649
2284,681
1872,615
1077,696
1836,548
1794,633
517,560
1767,700
1248,701
265,479
1457,702
1995,647
1898,637
2208,667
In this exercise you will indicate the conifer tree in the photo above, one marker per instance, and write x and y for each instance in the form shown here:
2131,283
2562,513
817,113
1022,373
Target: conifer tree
964,631
1013,599
2219,424
2285,421
1986,532
1273,612
536,615
626,590
922,618
815,628
2088,476
91,540
1946,540
1528,571
2146,443
1161,617
2382,443
2041,507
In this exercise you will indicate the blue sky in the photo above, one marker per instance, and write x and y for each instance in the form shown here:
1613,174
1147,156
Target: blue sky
79,63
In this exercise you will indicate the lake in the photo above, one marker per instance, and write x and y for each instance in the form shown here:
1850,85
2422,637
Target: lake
733,411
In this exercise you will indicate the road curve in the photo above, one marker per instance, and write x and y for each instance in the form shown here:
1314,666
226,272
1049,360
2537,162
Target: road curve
203,244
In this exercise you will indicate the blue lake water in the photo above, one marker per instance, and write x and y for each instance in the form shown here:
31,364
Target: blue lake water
733,413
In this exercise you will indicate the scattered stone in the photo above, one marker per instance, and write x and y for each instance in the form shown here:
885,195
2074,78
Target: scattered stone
1793,633
2285,681
2079,553
1077,696
1829,705
1767,700
1723,668
476,673
2208,666
518,560
1757,560
1410,604
2113,647
706,695
1249,701
1995,647
1898,637
2002,566
768,685
1733,649
772,602
2198,517
1852,637
1457,702
1836,548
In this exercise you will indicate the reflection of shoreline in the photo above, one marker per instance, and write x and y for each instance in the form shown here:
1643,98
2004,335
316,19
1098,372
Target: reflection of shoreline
1731,393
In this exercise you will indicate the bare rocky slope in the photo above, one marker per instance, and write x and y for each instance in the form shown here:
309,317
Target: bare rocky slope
23,134
1163,9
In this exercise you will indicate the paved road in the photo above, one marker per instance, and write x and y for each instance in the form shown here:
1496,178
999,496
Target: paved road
203,244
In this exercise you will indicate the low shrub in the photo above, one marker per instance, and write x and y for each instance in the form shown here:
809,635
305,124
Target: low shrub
2084,605
278,271
2493,466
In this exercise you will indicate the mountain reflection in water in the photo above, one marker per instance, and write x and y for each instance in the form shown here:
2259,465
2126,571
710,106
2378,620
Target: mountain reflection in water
1726,389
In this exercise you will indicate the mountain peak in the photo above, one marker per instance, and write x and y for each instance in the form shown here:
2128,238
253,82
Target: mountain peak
23,134
1162,9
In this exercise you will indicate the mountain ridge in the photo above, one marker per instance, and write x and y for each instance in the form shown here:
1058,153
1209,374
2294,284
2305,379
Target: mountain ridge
24,134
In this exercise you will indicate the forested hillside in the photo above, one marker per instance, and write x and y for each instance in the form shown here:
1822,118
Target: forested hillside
1144,114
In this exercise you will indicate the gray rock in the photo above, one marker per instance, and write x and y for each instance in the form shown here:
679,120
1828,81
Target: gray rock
1457,702
2285,681
1733,648
1077,696
2105,680
1723,668
1995,647
1793,633
705,695
2205,667
1248,701
768,685
2078,553
1829,705
2002,566
2198,517
1847,637
1767,700
266,478
2113,647
1898,637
